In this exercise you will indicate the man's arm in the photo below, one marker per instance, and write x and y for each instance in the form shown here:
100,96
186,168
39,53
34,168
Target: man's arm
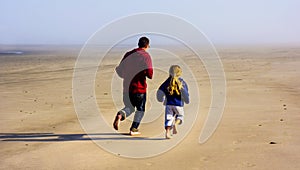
119,70
149,70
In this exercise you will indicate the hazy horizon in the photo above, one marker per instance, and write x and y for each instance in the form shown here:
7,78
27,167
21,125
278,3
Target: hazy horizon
223,22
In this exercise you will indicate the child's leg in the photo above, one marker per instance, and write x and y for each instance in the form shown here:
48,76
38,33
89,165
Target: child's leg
168,135
177,122
178,118
169,119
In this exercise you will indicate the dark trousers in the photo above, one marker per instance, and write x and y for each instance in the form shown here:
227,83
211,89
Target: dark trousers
134,102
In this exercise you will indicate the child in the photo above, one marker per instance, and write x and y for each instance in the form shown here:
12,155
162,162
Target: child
174,93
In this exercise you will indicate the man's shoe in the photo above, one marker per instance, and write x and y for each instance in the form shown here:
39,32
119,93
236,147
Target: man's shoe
116,123
134,132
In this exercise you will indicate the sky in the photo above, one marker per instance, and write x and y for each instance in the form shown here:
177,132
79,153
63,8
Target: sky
222,21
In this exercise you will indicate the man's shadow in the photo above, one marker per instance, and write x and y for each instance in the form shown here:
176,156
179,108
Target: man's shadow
52,137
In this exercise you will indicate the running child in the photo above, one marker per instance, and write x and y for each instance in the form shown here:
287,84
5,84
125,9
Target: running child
173,93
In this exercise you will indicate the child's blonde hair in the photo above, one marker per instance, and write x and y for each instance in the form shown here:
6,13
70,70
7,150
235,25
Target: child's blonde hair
175,84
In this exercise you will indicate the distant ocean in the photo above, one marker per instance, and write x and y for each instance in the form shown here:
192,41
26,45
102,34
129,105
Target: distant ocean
11,52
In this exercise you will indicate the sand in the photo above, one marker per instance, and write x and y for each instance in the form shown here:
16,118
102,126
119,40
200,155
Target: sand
259,128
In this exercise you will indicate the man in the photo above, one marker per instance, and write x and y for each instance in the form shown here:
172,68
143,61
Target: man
134,68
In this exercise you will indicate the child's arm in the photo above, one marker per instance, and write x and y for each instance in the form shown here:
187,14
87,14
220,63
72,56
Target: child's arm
185,93
160,95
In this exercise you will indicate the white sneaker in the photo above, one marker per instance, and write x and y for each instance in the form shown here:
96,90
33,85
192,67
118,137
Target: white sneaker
134,133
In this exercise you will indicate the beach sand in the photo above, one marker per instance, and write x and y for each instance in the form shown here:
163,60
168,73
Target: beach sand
259,128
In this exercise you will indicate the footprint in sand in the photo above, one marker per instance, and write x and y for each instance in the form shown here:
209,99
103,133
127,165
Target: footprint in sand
149,164
236,142
284,107
204,158
248,164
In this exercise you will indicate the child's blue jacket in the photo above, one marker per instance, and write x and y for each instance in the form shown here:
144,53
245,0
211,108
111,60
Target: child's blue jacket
175,100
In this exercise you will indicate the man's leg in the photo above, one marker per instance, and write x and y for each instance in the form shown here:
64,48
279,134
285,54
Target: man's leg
139,101
125,112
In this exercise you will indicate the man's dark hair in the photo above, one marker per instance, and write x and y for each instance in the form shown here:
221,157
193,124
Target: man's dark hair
143,42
